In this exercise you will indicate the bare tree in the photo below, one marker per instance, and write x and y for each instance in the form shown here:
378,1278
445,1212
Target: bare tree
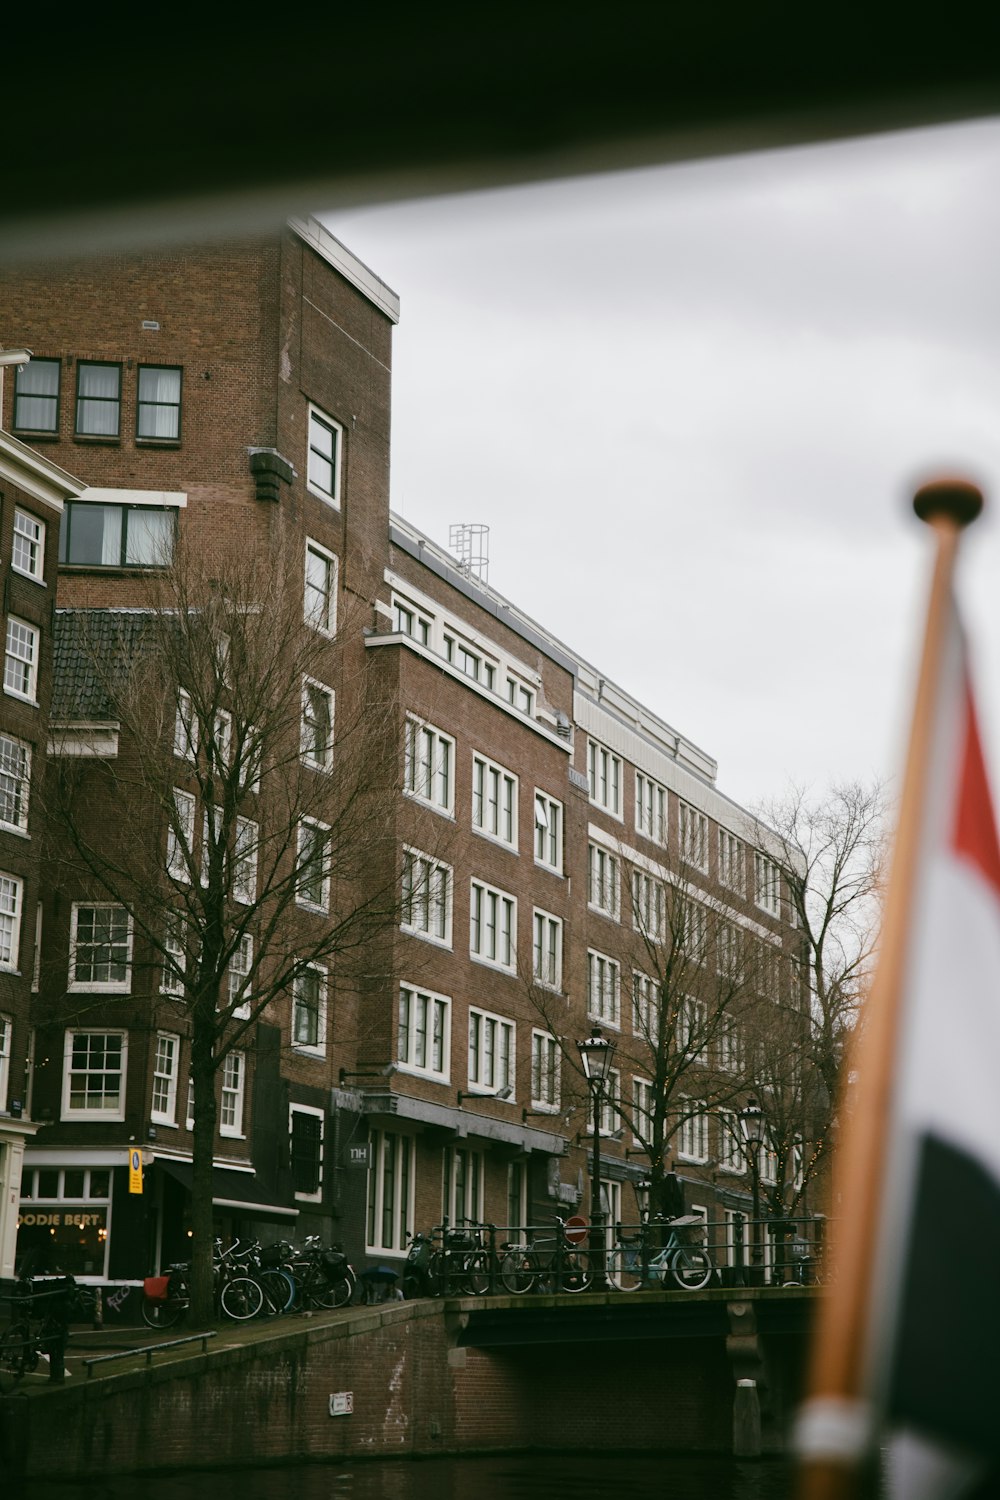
255,848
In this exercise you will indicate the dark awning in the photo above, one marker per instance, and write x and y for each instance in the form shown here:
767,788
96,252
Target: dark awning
239,1190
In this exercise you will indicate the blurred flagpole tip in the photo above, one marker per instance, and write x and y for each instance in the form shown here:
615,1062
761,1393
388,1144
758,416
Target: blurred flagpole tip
948,498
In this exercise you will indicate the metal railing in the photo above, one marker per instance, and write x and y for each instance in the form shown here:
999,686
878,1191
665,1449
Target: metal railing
149,1350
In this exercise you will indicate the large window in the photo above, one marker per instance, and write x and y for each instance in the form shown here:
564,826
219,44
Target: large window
98,399
20,667
649,906
100,947
472,663
94,1075
36,396
491,1052
427,888
730,861
464,1173
646,1007
305,1132
180,836
603,884
319,605
548,832
28,556
11,897
423,1042
767,883
544,1071
6,1040
409,619
117,536
604,776
642,1110
325,441
159,409
15,777
692,1137
546,964
390,1191
246,845
429,756
603,989
317,725
692,1029
650,808
693,827
494,801
163,1107
492,926
313,872
610,1115
731,1153
309,1010
240,969
233,1088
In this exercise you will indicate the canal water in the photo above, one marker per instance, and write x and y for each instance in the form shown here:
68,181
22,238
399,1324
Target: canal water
576,1476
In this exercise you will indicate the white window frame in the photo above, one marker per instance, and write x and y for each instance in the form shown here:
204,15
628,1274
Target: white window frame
246,846
68,1111
692,1022
316,1195
166,1067
603,988
319,419
730,1045
15,779
604,778
11,912
492,927
179,859
427,890
99,986
6,1045
692,1134
766,883
463,1185
423,1033
642,1111
492,1052
471,661
603,882
649,906
324,618
546,1070
645,1007
429,765
185,728
692,827
174,957
318,1047
312,725
402,1186
233,1098
301,898
520,696
494,801
548,832
547,949
21,654
694,930
610,1111
650,807
240,967
732,1156
732,865
409,619
29,538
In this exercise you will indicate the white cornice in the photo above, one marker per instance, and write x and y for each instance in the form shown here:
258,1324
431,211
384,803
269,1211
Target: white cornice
37,476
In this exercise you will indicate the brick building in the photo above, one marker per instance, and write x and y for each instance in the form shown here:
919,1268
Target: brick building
239,395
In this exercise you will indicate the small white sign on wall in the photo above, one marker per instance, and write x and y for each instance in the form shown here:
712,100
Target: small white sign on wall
342,1403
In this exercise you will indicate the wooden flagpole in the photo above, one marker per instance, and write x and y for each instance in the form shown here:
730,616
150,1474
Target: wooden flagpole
836,1425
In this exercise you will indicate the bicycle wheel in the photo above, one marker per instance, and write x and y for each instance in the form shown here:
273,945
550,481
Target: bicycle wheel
162,1314
624,1269
692,1268
331,1294
16,1349
477,1273
278,1288
518,1271
575,1274
241,1298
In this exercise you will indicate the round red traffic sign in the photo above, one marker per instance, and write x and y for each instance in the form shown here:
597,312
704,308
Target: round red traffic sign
577,1229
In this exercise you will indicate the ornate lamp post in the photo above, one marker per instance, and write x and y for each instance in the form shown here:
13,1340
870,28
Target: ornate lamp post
752,1124
595,1056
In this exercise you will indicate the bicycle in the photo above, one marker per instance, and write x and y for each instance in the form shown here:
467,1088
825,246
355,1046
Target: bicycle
39,1328
323,1278
689,1265
545,1265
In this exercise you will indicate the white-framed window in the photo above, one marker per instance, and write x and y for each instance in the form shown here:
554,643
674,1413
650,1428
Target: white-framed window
738,1232
692,1028
646,1007
20,670
180,836
6,1042
547,946
246,843
604,887
767,969
462,1195
306,1150
36,964
730,1045
469,661
391,1179
166,1061
427,897
545,1068
731,868
233,1089
158,405
694,931
309,1010
650,808
220,747
729,944
610,1114
319,605
649,906
185,728
117,536
517,1194
15,780
240,967
11,902
36,396
642,1110
325,444
423,1037
603,988
767,1163
693,836
492,926
428,761
313,866
548,832
731,1155
94,1075
409,619
520,695
494,801
28,556
604,775
174,956
491,1052
692,1137
767,883
100,954
317,725
211,841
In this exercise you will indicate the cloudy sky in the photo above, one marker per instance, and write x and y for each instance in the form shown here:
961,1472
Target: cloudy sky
692,404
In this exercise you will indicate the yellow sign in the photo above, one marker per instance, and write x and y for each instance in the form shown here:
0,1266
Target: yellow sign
135,1171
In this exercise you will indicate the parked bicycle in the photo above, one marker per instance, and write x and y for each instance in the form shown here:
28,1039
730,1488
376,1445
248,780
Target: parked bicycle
39,1326
634,1262
546,1265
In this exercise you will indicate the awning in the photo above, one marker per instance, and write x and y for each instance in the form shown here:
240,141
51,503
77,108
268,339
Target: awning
239,1190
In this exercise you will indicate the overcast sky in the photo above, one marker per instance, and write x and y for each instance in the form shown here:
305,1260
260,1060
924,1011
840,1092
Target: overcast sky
692,404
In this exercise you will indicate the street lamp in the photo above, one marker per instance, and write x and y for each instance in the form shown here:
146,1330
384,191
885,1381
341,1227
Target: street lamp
595,1056
643,1190
751,1119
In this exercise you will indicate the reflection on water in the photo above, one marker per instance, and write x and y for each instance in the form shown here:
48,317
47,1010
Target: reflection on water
508,1477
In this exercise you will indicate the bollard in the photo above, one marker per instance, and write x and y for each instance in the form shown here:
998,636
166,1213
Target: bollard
746,1420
